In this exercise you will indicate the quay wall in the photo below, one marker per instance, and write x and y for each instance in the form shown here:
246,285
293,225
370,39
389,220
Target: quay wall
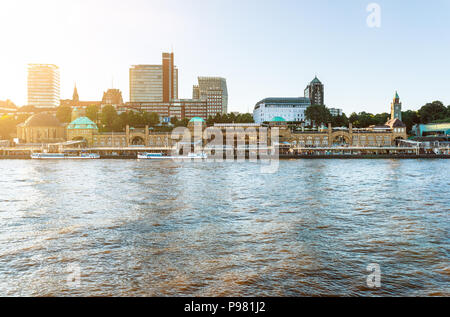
282,157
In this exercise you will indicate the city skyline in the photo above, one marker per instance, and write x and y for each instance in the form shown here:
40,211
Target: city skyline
360,70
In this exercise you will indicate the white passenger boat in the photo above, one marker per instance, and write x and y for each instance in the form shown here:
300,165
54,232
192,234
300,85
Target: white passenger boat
63,156
161,156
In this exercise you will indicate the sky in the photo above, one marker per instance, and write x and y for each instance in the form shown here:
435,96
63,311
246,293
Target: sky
264,48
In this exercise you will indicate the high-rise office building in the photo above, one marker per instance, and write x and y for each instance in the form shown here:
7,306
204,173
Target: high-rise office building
154,83
43,85
315,92
214,90
170,78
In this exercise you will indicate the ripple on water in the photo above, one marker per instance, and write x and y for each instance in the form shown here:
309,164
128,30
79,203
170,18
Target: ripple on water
161,229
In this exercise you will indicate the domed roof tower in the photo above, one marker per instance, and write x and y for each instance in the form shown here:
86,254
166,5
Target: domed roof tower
42,120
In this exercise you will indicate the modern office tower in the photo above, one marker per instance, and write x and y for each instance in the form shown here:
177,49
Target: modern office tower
154,83
290,109
213,89
315,92
396,108
170,78
43,85
146,84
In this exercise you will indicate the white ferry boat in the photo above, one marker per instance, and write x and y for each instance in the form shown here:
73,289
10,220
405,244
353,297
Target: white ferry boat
63,156
161,156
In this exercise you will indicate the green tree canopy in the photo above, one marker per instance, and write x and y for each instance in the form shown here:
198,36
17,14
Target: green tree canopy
318,114
108,118
432,111
151,118
230,118
64,114
410,118
7,127
339,121
92,112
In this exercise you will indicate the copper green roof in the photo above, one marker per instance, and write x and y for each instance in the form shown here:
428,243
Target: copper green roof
316,81
82,123
396,95
278,119
197,119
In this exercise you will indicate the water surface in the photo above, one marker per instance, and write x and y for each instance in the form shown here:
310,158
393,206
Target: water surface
224,229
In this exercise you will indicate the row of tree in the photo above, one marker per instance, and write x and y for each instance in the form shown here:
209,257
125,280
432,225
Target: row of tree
433,112
230,118
8,125
109,120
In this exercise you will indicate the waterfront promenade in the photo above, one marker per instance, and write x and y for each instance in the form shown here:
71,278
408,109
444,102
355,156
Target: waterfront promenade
284,153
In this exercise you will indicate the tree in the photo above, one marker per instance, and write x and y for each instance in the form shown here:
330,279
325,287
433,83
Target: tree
366,119
339,121
432,111
92,112
185,122
210,121
354,119
318,114
381,118
108,116
410,118
245,118
118,125
7,127
64,114
174,121
152,118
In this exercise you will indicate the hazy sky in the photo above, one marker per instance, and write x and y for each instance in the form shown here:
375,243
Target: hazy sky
263,47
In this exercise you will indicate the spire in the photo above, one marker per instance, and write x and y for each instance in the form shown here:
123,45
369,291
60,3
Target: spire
75,97
396,95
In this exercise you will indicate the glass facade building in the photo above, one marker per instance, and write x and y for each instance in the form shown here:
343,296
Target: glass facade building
213,89
154,83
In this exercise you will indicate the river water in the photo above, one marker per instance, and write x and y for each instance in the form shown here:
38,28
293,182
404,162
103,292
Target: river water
128,228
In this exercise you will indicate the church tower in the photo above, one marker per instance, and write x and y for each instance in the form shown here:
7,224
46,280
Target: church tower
396,108
75,98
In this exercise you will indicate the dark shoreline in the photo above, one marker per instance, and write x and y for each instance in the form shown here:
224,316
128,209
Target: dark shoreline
282,157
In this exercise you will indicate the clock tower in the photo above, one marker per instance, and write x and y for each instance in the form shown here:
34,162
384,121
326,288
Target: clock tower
396,108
